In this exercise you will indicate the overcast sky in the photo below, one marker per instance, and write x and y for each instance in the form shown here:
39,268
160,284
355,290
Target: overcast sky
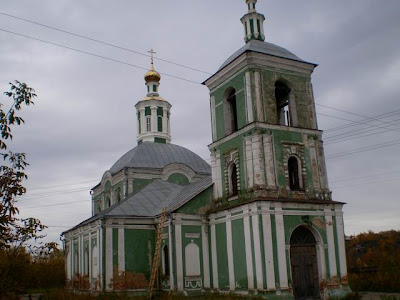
84,117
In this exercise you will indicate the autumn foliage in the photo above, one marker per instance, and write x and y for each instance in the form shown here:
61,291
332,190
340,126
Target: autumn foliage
373,261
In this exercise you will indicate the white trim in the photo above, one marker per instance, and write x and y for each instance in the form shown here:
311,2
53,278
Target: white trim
121,249
258,160
214,257
257,247
259,104
178,247
90,256
229,250
331,246
280,241
171,259
268,251
213,120
99,256
249,255
249,99
269,160
249,162
341,243
206,259
109,257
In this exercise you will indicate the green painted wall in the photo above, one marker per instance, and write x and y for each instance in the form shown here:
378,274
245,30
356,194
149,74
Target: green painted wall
198,203
239,254
137,183
137,252
178,178
222,256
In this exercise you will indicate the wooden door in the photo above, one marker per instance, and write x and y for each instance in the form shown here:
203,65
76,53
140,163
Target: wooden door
305,281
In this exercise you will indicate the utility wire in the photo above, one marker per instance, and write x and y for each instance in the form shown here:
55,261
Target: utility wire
95,55
102,42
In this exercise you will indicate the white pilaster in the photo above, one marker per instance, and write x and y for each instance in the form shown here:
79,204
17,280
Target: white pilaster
293,110
214,254
341,243
109,257
178,247
281,245
90,255
229,250
121,249
269,160
257,247
256,33
169,124
100,255
331,243
143,120
216,173
213,121
249,99
321,164
258,159
314,163
259,104
249,162
247,244
268,250
153,118
206,258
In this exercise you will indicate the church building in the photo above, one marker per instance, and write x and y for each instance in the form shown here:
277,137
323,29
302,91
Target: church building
260,220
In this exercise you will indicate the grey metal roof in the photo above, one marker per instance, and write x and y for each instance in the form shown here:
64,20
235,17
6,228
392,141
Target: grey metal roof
151,199
263,47
158,155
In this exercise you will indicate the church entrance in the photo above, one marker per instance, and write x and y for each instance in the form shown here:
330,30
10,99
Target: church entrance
303,260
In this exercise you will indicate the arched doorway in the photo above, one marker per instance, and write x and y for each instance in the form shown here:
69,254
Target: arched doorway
303,260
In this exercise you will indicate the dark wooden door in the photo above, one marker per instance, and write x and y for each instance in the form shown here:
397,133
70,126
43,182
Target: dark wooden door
305,281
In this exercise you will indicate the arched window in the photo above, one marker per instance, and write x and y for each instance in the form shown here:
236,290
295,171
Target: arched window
294,174
108,201
165,260
233,180
230,112
282,93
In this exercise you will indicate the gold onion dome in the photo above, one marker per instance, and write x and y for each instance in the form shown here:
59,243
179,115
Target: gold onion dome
152,75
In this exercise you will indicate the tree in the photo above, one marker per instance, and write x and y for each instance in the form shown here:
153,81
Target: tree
15,232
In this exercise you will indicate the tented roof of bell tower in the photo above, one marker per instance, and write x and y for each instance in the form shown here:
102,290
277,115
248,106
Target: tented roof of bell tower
265,48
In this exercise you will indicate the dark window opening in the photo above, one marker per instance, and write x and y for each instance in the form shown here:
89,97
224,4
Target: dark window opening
234,182
302,235
232,122
294,176
282,93
166,260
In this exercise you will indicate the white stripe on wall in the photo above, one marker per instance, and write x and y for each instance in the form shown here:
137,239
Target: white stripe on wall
280,240
249,255
178,247
268,251
206,259
257,248
214,256
230,252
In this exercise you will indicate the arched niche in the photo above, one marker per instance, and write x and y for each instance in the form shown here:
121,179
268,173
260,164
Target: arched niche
192,258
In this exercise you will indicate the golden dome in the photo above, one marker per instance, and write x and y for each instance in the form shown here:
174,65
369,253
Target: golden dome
152,75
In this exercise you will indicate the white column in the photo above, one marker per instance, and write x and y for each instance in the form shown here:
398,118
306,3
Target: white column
293,110
229,250
143,120
249,99
258,159
213,120
281,245
249,162
206,259
257,247
90,257
217,179
214,253
259,104
178,247
109,257
247,245
269,160
341,243
165,121
256,33
99,255
121,249
314,163
153,118
248,28
171,257
331,243
169,124
268,250
321,163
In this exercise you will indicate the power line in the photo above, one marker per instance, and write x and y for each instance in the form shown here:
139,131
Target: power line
362,177
103,42
61,185
95,55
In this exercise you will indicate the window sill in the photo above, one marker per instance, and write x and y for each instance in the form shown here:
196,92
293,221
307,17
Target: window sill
233,198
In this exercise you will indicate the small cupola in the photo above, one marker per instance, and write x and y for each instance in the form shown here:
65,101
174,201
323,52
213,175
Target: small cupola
253,23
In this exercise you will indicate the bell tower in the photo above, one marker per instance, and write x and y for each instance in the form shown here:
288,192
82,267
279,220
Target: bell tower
153,111
266,143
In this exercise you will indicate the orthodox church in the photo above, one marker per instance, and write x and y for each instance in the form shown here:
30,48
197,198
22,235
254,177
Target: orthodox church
259,221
